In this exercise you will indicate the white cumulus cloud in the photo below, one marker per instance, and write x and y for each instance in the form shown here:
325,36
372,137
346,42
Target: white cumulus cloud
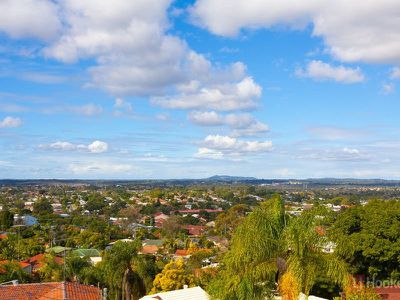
319,70
133,53
64,146
351,150
219,146
222,97
29,18
243,124
10,122
94,147
352,30
135,56
209,153
98,147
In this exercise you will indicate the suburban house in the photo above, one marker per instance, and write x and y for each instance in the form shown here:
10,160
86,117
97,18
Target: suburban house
151,246
195,230
26,220
182,253
160,218
58,250
50,290
195,293
36,262
23,265
93,254
149,249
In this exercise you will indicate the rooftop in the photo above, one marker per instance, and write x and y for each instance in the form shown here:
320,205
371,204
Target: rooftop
195,293
50,290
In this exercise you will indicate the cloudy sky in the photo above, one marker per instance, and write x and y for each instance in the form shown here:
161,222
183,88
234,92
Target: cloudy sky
188,89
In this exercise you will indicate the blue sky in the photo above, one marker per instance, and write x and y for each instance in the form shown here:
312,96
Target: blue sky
189,89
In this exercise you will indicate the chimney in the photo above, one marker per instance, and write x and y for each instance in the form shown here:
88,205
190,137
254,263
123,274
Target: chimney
185,286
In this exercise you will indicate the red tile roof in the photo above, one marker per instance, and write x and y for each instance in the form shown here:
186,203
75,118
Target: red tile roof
50,290
37,261
75,291
182,252
195,229
388,293
4,262
149,249
196,211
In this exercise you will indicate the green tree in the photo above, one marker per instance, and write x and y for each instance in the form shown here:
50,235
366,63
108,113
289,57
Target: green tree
52,269
42,207
268,245
304,258
171,227
6,219
90,239
126,274
12,271
76,268
227,222
367,237
95,202
250,266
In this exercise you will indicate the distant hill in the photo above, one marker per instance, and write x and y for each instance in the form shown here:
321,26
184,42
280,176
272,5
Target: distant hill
218,179
229,178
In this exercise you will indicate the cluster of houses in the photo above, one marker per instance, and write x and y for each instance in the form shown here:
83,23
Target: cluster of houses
33,264
296,209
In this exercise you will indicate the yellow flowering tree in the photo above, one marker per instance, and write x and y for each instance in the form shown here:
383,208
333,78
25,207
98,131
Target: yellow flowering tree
173,277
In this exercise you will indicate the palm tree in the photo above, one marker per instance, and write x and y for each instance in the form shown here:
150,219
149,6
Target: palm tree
251,265
127,274
268,245
305,258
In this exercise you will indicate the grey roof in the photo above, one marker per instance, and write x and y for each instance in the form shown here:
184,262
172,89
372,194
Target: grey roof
158,243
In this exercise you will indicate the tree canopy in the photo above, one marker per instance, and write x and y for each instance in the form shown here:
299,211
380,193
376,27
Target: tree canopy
267,248
174,276
367,237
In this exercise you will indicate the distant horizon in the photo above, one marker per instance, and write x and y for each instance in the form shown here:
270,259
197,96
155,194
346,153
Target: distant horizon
205,178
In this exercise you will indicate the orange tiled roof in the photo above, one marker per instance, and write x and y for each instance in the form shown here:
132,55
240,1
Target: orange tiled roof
4,262
37,260
389,292
50,290
181,252
194,229
149,249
